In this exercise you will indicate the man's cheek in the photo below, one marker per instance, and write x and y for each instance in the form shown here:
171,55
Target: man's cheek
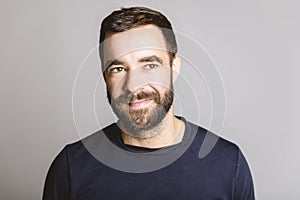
115,89
161,77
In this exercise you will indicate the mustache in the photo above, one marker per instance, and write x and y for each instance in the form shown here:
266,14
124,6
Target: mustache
130,97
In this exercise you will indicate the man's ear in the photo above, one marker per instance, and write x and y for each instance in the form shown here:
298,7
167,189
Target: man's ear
104,77
176,65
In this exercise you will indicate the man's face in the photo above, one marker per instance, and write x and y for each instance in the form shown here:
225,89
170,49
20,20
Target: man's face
138,76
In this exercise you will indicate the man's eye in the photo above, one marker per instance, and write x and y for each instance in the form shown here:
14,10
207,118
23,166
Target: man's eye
116,69
151,66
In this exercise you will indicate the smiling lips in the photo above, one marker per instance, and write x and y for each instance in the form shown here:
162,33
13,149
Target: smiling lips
139,103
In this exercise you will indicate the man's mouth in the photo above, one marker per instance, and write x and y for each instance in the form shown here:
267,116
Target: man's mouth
139,103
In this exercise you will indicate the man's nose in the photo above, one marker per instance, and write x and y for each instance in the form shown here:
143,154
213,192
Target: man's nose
134,80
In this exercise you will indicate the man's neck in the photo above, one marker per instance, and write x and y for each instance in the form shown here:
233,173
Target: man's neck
171,133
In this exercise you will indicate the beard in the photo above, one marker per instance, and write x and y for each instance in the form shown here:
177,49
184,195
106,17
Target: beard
142,122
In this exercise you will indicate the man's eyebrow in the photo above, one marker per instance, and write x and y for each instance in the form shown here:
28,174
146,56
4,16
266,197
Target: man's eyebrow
113,62
151,59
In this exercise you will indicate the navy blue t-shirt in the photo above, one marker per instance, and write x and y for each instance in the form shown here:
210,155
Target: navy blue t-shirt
79,171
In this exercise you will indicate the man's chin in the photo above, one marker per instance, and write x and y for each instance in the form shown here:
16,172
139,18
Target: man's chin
139,126
138,118
140,121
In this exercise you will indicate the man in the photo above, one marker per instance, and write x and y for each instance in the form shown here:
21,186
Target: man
149,153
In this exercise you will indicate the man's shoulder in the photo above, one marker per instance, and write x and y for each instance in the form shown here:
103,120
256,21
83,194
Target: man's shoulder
211,136
213,144
93,138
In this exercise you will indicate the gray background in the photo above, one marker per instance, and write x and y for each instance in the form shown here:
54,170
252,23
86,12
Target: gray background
253,43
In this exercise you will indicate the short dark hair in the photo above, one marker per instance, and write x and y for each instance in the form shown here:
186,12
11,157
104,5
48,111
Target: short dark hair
128,18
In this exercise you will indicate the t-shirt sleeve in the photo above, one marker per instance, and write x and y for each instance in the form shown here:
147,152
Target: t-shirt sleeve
243,183
57,183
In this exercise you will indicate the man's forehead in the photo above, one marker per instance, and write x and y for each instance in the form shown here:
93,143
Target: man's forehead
136,39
